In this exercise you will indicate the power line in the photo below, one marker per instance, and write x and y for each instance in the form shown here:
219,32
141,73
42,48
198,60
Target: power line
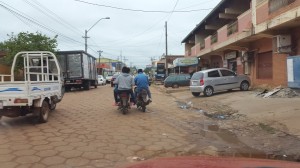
140,10
19,15
53,16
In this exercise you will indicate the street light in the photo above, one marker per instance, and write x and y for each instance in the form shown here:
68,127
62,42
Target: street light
86,31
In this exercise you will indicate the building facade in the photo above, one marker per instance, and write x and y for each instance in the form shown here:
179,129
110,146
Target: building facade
252,37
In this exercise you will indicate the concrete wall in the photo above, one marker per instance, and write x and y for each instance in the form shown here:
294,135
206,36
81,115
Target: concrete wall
296,41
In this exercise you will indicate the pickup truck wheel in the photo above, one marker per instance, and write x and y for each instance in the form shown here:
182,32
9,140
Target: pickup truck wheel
52,106
44,112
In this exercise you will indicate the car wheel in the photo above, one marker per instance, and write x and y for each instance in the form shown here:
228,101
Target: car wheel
175,85
208,91
196,94
244,86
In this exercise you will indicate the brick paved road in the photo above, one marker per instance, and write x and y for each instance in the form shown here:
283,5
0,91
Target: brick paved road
87,131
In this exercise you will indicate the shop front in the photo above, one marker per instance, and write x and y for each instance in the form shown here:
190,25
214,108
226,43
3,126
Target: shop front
185,65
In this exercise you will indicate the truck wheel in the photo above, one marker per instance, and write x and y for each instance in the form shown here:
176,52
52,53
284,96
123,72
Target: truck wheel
86,85
52,106
95,84
67,88
44,112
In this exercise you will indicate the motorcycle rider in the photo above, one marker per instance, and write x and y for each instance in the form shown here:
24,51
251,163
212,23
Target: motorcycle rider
124,82
142,82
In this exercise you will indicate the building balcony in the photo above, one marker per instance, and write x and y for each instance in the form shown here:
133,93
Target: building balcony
228,34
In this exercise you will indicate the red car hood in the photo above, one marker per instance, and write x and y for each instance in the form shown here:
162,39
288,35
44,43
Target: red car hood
212,162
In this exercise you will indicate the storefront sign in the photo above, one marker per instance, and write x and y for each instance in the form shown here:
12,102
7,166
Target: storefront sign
230,55
185,61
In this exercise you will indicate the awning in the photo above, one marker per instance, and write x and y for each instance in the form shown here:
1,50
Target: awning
185,61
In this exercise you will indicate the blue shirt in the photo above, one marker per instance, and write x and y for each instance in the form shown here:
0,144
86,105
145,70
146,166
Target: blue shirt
141,81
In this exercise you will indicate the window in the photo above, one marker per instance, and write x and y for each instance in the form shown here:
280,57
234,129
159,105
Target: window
197,76
183,77
274,5
213,74
227,73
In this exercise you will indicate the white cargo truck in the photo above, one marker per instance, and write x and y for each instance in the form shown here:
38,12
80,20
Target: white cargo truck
34,87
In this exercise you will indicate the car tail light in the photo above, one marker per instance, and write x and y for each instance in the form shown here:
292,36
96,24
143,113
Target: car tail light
201,82
78,81
21,101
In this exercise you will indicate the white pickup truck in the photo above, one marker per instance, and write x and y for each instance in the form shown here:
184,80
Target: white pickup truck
34,88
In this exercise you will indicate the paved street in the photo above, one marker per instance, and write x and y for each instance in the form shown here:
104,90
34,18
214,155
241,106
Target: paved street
87,131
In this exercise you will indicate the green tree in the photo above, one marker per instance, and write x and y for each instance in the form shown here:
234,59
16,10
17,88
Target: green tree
26,41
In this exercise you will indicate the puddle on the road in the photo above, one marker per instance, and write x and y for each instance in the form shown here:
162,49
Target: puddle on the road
211,130
241,149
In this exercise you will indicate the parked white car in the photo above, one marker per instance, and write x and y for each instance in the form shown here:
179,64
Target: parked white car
101,80
217,79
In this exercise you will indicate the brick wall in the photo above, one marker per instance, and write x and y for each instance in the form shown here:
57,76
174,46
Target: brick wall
262,11
4,69
278,62
279,69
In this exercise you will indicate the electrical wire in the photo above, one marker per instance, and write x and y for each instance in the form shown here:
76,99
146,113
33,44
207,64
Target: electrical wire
31,20
140,10
57,18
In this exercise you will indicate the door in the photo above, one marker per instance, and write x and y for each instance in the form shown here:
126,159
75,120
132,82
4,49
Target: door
184,80
214,79
230,79
74,68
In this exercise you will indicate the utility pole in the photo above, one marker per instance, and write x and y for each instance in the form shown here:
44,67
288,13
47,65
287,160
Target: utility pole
99,62
166,65
85,38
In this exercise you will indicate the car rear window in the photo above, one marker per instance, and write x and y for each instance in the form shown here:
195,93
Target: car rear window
213,74
197,76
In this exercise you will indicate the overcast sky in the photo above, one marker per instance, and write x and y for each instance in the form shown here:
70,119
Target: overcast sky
137,35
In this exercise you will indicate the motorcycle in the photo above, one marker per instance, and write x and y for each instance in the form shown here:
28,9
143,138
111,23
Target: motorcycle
124,102
142,99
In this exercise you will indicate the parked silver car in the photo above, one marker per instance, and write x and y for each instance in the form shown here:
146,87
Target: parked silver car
217,79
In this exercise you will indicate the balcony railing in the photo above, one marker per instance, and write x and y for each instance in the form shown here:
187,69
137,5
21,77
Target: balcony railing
202,45
232,28
274,5
214,38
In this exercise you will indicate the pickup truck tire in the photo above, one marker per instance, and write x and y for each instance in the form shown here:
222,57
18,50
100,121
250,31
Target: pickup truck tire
52,106
44,112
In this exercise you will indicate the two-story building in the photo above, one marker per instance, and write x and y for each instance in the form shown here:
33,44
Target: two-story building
252,37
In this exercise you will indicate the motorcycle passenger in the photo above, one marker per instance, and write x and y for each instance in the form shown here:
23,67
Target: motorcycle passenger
142,82
124,82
